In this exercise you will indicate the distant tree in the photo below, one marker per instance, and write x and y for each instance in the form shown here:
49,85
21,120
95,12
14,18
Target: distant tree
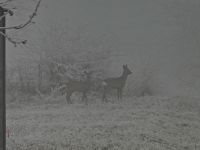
65,52
182,16
62,53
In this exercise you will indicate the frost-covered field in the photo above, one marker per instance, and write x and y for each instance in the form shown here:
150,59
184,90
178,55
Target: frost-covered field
156,123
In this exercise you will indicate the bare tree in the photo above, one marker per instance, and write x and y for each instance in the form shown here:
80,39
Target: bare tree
9,7
62,53
182,18
65,52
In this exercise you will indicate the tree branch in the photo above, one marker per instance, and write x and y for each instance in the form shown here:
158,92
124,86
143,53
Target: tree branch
8,11
28,22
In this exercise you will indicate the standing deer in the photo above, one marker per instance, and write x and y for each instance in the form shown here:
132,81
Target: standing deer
116,83
79,86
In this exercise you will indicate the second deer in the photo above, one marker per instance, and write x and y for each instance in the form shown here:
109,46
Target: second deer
116,83
79,86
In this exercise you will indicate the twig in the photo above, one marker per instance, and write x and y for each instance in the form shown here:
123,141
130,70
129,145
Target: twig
18,26
28,22
12,40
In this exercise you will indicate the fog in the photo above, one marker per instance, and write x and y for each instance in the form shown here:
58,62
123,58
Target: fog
58,84
147,33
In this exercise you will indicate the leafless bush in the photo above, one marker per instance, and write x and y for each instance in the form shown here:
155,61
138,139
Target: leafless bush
22,77
65,53
142,82
62,53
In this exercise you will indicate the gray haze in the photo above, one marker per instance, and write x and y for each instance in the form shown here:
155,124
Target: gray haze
139,25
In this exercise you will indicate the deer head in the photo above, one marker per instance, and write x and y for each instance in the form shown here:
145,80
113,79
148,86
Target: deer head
126,70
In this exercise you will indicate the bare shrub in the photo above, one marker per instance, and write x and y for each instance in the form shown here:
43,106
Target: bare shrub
65,53
60,54
141,83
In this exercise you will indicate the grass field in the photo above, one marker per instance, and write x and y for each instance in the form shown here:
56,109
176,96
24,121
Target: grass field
146,123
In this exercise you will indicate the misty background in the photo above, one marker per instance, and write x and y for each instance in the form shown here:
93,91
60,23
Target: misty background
161,35
159,40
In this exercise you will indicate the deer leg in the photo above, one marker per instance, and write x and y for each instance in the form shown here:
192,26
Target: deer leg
106,90
68,97
103,96
83,97
118,93
69,100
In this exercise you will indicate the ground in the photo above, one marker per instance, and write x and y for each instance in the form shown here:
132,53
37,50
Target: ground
146,123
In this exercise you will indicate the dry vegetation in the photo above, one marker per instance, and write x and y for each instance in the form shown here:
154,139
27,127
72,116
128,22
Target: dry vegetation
157,123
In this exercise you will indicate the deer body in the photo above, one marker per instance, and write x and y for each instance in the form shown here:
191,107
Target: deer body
78,86
116,83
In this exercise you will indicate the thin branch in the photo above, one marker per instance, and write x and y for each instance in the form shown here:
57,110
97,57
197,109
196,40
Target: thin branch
12,40
5,3
28,22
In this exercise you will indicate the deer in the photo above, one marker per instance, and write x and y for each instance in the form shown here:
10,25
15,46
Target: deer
115,83
79,86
